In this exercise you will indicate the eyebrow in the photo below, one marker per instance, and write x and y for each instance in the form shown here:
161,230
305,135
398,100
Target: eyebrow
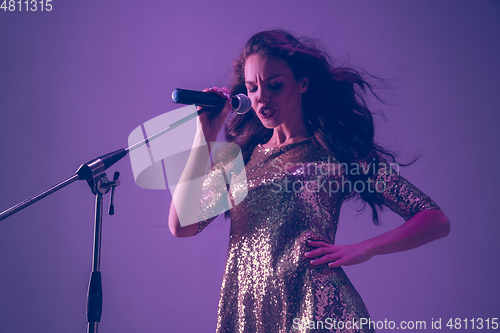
269,78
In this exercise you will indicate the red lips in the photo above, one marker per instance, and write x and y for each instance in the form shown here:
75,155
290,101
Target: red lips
266,112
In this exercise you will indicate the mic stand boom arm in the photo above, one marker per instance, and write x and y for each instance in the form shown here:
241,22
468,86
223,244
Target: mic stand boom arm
85,171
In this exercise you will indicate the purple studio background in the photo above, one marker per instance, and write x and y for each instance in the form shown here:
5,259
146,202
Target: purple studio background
74,82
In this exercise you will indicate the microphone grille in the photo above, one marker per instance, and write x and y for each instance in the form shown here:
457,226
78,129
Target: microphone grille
245,104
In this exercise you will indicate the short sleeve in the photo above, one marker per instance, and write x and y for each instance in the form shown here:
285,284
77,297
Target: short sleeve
214,197
397,193
226,178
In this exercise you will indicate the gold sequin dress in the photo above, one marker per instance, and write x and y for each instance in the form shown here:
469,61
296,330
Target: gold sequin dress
293,193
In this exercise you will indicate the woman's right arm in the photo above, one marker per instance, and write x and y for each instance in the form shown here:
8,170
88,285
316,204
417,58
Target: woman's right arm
186,191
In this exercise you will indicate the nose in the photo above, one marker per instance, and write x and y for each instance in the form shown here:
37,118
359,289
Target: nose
262,96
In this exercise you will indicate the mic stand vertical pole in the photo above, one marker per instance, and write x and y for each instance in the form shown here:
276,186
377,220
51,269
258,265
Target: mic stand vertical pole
94,173
94,297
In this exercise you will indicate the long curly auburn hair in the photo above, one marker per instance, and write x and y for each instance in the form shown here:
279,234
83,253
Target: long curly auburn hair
334,106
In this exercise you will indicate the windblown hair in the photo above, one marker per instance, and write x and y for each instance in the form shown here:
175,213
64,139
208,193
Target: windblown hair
333,105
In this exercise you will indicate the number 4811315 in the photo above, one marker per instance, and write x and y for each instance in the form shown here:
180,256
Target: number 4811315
26,5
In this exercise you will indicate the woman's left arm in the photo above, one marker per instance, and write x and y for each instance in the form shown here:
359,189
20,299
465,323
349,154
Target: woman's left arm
424,227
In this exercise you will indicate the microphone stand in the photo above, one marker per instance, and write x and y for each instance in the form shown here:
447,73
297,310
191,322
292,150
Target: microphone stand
94,172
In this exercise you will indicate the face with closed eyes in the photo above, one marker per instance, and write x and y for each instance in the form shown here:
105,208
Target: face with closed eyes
275,94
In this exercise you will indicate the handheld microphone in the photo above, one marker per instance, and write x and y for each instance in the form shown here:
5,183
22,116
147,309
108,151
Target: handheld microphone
241,103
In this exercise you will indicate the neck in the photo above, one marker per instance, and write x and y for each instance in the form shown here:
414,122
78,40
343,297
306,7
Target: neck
283,135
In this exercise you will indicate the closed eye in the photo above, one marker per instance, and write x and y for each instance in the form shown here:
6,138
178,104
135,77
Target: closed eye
275,86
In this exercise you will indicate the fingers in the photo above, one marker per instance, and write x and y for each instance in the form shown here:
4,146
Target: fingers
323,254
316,243
322,248
318,252
219,91
336,263
326,259
224,92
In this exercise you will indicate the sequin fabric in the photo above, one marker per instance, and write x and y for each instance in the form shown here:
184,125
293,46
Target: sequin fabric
293,193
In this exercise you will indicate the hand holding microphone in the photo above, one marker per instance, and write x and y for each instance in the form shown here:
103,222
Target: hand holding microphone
214,97
221,103
214,105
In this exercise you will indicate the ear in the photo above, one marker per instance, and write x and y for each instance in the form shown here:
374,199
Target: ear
304,83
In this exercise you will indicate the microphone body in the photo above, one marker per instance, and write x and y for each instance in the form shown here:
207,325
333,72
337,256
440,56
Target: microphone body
241,103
